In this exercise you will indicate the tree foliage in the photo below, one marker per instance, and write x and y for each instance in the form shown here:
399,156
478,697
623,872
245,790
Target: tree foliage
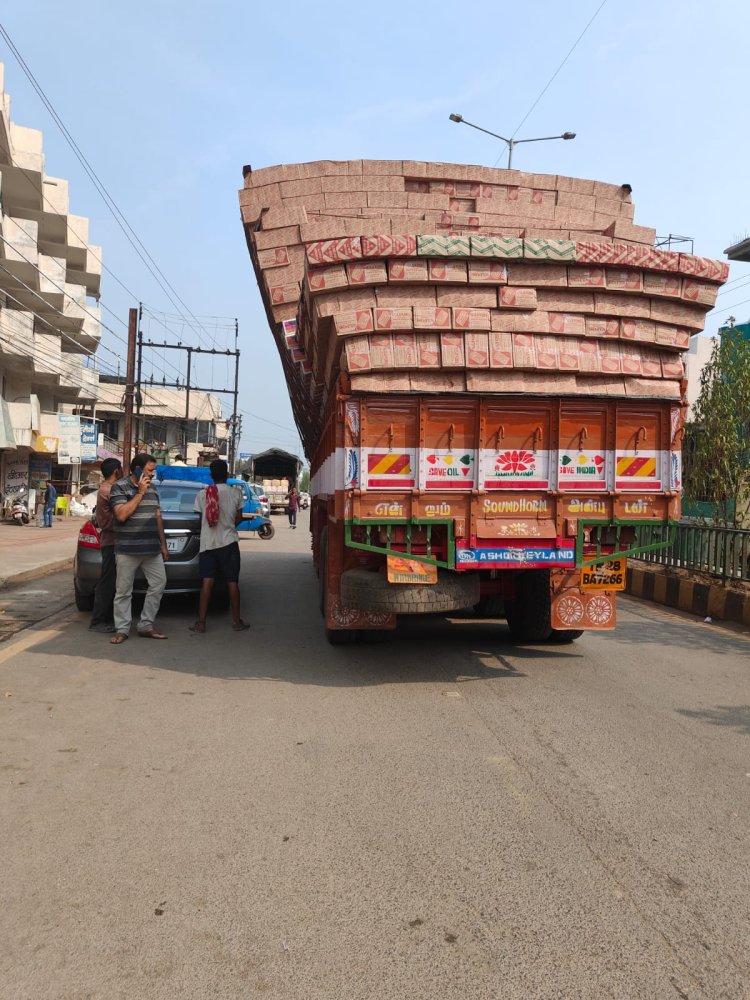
717,441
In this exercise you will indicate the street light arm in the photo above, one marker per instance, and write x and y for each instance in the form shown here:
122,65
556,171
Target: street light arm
479,128
544,138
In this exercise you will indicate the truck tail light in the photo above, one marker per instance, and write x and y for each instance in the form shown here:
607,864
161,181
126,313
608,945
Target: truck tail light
88,536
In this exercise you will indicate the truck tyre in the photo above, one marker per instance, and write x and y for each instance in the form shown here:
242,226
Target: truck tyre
370,591
563,635
529,613
491,606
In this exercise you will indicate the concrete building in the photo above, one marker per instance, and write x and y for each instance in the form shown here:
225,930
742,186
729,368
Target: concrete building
49,314
169,423
695,360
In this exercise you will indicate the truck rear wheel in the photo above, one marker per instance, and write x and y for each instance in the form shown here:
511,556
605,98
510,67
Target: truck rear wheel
366,590
529,613
563,635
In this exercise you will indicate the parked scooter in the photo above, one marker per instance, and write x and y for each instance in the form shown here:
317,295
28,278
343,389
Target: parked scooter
19,508
258,523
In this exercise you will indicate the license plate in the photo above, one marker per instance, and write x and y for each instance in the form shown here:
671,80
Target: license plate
402,570
176,544
608,576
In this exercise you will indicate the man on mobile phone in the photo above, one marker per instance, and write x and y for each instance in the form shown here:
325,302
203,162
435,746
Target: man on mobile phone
139,543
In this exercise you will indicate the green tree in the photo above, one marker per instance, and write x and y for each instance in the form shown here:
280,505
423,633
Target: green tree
304,481
717,441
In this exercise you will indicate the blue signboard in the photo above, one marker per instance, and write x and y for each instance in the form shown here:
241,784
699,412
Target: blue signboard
89,437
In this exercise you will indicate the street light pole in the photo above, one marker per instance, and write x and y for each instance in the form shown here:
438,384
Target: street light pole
510,143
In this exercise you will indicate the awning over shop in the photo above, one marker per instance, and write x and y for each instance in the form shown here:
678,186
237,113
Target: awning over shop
7,437
43,444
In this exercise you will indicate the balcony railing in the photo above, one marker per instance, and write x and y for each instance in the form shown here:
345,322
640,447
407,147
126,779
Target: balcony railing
720,552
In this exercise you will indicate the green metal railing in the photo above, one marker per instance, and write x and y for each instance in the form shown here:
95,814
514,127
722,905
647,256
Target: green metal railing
649,538
406,549
722,552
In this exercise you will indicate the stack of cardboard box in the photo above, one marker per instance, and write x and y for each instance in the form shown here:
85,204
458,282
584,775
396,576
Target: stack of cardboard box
438,277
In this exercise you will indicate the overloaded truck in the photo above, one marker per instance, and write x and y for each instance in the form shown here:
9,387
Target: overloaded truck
276,471
486,369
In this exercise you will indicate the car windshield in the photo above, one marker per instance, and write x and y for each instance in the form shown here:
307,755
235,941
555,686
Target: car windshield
178,498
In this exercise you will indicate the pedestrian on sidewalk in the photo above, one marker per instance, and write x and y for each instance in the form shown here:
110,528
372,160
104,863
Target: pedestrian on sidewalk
220,507
293,498
50,499
139,543
102,616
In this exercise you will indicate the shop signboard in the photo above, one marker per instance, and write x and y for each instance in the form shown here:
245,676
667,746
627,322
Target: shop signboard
16,476
40,470
69,444
89,438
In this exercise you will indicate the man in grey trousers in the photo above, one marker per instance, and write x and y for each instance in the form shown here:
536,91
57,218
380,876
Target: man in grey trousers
139,543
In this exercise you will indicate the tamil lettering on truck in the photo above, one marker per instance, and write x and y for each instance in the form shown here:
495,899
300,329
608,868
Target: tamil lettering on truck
504,409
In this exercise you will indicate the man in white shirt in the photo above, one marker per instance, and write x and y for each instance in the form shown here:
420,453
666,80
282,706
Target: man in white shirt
220,507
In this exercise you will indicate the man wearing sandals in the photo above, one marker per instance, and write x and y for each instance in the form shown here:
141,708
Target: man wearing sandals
139,544
220,507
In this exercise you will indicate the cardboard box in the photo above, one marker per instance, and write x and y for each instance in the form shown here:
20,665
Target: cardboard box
279,294
468,189
447,271
650,363
501,350
397,294
680,313
631,359
569,352
569,324
520,322
358,354
547,353
417,185
405,350
452,350
609,352
477,349
428,350
618,304
538,275
333,251
470,296
381,350
431,318
698,291
389,246
512,297
443,246
621,279
386,200
563,300
394,319
642,330
663,284
558,250
471,319
276,257
672,366
277,238
353,321
422,202
488,272
589,358
602,327
443,187
462,206
586,277
703,267
407,270
369,272
321,279
502,247
524,350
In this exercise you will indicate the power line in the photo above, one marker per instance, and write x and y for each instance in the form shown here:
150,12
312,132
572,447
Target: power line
554,75
116,212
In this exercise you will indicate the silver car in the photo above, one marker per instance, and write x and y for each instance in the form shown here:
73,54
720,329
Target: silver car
182,528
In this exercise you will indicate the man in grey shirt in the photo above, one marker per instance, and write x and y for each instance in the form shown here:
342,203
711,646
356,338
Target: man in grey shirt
220,507
139,543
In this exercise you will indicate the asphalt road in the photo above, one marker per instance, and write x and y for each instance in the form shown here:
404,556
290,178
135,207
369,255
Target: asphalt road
444,815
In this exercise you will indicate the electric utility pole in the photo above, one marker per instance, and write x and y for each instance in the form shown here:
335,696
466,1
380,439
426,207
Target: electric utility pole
127,443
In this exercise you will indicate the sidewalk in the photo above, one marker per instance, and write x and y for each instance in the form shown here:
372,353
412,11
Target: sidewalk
28,552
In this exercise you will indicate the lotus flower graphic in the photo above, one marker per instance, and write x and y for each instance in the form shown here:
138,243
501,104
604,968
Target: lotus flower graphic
514,461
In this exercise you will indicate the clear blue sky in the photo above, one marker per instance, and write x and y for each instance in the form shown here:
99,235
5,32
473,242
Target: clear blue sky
169,100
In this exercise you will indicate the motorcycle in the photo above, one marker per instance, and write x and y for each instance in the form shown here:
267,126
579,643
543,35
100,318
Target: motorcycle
19,509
